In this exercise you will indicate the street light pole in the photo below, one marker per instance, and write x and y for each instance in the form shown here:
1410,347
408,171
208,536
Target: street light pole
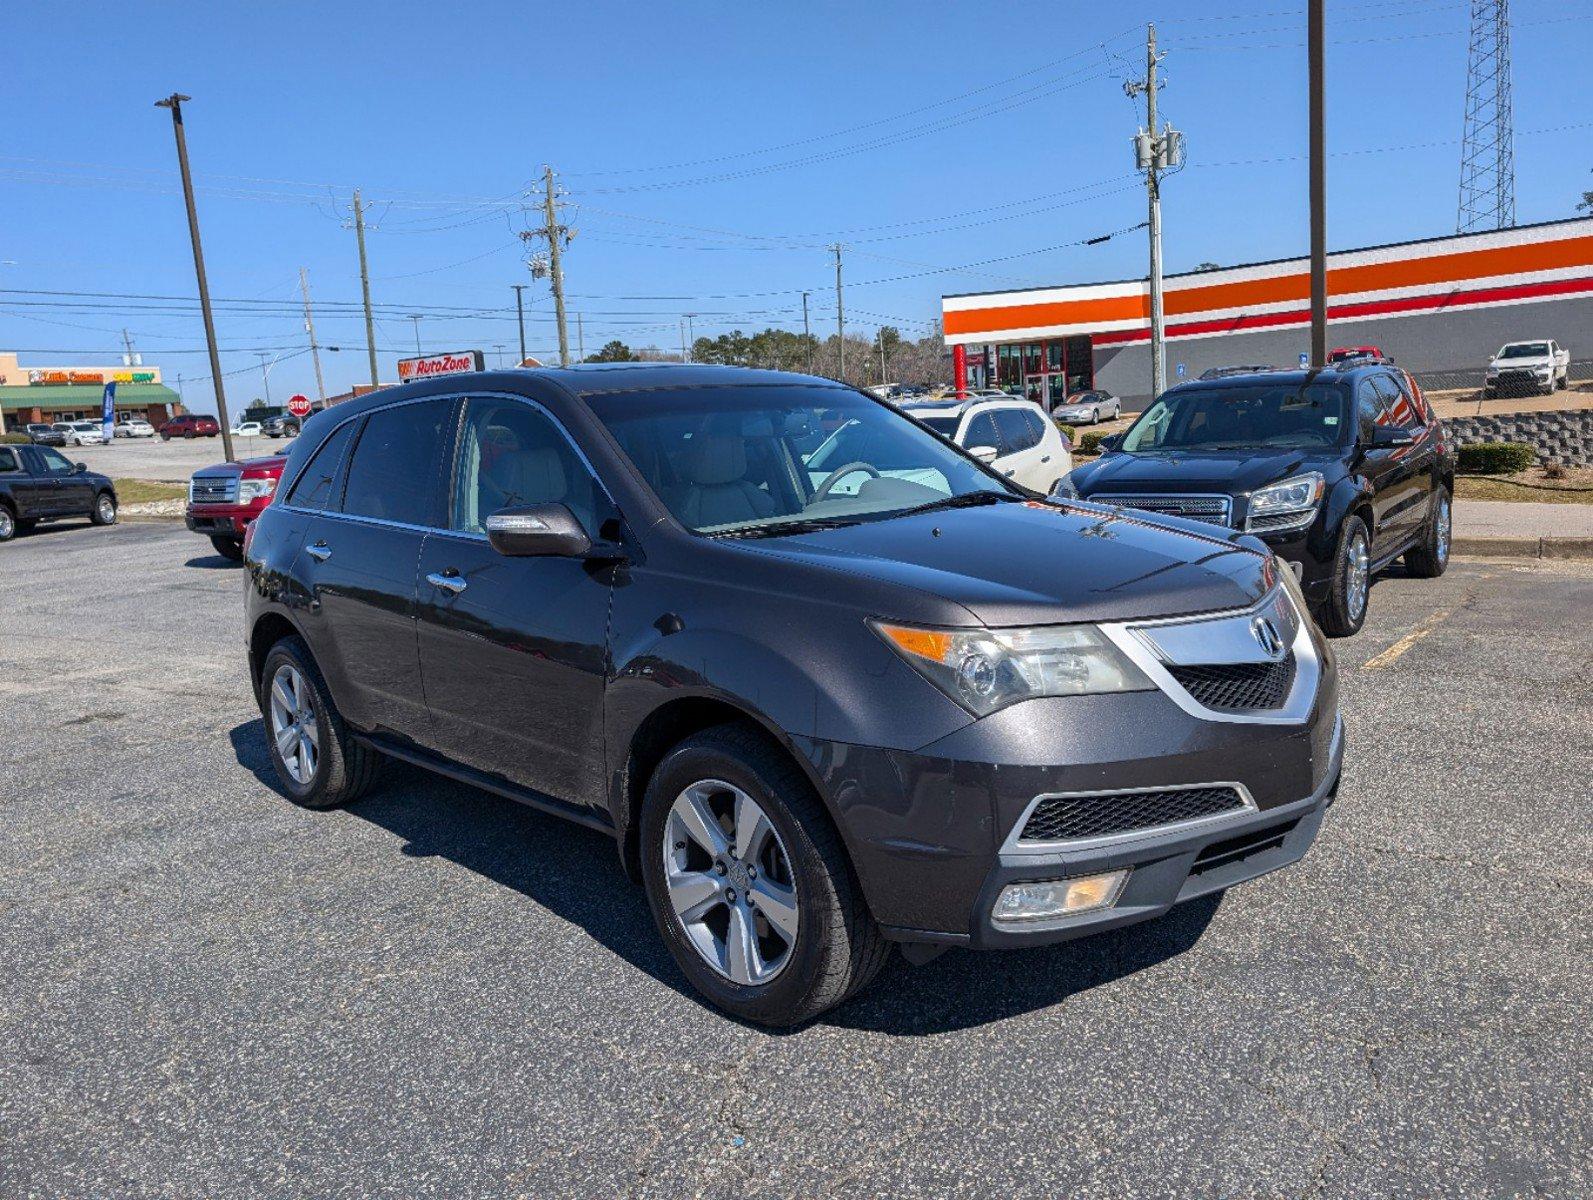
415,317
807,334
519,308
1315,39
175,103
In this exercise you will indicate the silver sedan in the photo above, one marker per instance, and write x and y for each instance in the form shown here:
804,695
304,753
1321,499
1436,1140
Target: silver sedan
1087,408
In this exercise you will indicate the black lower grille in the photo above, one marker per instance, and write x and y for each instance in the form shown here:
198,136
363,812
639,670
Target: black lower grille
1257,841
1074,818
1238,687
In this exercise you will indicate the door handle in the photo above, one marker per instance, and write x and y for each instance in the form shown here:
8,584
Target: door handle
450,583
1047,458
320,551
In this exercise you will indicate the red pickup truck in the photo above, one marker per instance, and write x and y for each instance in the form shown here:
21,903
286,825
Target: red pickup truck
223,499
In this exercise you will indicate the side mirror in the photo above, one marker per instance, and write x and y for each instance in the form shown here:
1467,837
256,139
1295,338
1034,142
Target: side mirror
79,468
537,530
984,454
1386,437
1110,443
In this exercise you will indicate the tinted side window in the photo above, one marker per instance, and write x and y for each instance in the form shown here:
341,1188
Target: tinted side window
511,454
313,489
983,431
54,461
1368,410
1016,432
8,460
393,472
1401,407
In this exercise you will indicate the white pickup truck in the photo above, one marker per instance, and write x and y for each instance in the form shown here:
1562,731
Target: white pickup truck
1540,366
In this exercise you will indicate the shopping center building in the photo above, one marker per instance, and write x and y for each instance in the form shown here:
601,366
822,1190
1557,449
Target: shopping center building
47,393
1439,307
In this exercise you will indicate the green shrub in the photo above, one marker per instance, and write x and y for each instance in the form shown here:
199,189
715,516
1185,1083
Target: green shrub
13,439
1067,432
1495,458
1090,443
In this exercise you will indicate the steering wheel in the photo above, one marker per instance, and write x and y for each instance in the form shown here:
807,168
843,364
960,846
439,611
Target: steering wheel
840,473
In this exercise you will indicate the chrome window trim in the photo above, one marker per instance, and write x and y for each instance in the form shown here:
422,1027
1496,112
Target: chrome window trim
1016,845
1296,707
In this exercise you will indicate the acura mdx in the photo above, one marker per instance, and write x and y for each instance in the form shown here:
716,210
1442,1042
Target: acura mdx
822,707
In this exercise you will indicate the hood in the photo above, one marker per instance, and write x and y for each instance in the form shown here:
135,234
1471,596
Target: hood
268,464
1231,471
1032,563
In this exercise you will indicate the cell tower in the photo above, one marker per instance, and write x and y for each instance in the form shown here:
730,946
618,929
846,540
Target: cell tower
1487,153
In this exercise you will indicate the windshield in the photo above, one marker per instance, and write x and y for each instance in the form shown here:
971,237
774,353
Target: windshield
1526,350
1285,416
759,461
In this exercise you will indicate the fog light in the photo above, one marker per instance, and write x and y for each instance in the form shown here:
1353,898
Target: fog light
1021,902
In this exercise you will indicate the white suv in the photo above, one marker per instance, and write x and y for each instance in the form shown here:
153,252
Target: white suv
1538,366
1014,436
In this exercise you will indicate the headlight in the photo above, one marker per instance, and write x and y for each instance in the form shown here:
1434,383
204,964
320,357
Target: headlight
1066,488
987,669
250,490
1493,369
1298,494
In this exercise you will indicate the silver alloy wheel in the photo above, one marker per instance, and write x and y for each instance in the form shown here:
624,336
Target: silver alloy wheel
293,725
1357,577
1441,531
107,509
8,524
729,881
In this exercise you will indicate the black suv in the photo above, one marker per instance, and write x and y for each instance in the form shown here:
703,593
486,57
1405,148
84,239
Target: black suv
1338,471
39,483
821,710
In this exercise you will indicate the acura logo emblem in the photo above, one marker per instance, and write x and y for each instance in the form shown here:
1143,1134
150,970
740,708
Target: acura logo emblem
1266,635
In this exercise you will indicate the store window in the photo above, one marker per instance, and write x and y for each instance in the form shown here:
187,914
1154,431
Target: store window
1080,368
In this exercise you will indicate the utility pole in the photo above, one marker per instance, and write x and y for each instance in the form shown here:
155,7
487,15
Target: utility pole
807,334
1153,153
365,287
175,103
519,308
498,346
309,327
127,341
557,236
691,334
580,337
840,317
415,317
882,356
685,355
1315,39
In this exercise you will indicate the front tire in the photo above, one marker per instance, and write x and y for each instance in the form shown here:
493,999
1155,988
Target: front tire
749,883
1428,560
104,510
229,548
1344,611
317,760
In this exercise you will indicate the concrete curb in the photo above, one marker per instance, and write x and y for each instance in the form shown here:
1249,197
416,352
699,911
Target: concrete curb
1523,547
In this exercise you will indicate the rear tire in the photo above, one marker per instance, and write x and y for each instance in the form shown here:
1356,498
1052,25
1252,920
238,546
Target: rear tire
1428,560
229,548
836,947
325,766
1344,611
8,524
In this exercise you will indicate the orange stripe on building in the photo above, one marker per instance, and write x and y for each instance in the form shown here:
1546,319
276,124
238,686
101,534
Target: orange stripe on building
1186,300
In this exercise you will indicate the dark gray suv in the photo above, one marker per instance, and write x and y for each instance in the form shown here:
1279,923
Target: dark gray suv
829,682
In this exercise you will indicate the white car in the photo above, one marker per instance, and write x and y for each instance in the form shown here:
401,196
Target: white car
246,429
1014,436
82,433
1088,408
1537,366
137,427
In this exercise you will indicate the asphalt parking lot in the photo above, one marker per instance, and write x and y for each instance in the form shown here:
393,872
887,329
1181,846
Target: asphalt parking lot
168,462
207,992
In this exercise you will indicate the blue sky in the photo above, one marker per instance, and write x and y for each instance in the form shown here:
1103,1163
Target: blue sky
710,151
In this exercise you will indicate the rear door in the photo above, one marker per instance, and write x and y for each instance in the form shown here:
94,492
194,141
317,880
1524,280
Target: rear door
358,565
29,489
1020,446
513,650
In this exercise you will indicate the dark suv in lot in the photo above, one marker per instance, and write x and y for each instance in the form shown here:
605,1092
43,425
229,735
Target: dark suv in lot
38,483
823,710
189,425
1339,472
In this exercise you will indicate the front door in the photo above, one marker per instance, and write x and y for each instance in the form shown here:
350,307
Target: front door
513,651
69,492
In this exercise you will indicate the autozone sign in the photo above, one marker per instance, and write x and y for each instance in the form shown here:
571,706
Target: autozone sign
455,362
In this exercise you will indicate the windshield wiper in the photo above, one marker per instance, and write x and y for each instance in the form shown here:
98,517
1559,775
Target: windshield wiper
966,500
782,528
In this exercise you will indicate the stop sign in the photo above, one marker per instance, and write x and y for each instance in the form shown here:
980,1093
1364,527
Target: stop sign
299,406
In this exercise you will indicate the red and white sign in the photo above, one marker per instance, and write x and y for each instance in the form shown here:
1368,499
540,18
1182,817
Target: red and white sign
299,406
455,362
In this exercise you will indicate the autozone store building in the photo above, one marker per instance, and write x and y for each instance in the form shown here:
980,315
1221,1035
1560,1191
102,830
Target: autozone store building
1438,307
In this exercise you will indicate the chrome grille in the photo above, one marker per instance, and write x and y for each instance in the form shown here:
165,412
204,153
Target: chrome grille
1213,509
1108,814
213,489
